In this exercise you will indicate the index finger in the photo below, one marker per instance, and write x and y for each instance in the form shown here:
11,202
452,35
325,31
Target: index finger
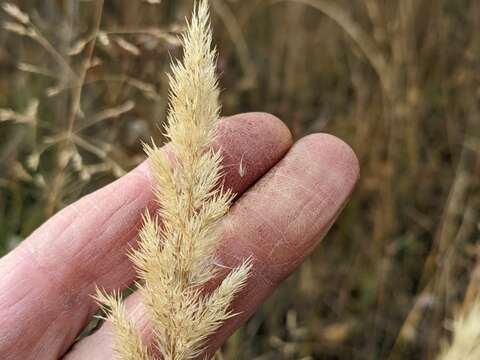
47,282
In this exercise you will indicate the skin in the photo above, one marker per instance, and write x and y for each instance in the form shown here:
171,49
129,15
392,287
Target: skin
288,198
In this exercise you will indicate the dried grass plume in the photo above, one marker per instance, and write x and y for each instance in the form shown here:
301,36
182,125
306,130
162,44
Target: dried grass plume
177,258
465,344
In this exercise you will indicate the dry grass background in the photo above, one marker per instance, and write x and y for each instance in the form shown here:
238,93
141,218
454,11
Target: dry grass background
398,80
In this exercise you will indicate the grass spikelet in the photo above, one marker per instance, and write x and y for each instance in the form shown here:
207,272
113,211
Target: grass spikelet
127,344
176,259
465,344
13,10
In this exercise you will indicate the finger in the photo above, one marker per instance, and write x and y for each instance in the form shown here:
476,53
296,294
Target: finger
278,222
47,282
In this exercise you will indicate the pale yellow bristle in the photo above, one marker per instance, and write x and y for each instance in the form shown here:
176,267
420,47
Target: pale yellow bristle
176,259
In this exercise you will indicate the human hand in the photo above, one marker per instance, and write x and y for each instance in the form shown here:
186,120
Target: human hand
47,282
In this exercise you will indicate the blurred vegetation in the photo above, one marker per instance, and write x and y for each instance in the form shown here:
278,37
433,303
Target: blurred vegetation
398,80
